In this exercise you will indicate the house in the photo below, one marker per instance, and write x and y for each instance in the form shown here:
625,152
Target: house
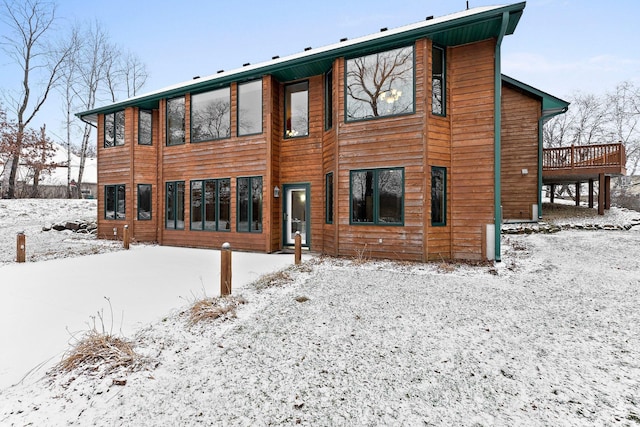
406,144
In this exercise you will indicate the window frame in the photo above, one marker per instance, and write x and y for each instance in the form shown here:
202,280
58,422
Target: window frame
286,104
442,78
443,203
116,202
239,110
413,85
329,197
203,205
116,141
150,113
150,202
174,206
192,109
168,142
328,100
250,214
376,197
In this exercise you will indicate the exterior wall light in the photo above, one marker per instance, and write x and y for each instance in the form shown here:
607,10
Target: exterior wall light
276,192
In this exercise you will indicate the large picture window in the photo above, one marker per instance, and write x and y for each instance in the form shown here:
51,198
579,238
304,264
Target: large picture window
249,204
114,201
211,204
145,124
211,115
380,85
438,83
250,108
377,196
175,121
114,129
296,110
174,214
144,202
438,195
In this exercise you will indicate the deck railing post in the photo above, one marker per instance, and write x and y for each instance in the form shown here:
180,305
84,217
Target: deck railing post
225,269
298,248
21,250
572,154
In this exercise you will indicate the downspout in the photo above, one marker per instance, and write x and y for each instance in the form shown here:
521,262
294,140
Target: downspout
497,127
541,121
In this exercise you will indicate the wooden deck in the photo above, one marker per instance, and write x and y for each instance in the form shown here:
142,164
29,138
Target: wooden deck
581,163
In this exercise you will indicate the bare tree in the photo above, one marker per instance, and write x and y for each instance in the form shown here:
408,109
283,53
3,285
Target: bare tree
30,23
623,120
38,154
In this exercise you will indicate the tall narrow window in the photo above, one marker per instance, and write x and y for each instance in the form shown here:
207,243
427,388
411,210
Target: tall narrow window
250,108
438,83
377,196
114,201
210,204
175,121
249,204
144,202
174,214
380,85
211,115
114,129
329,194
145,122
438,195
296,110
328,100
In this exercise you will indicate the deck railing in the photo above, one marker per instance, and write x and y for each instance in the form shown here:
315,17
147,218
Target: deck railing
584,156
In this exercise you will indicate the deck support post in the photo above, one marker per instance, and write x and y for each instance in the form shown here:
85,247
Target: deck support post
591,193
601,190
607,192
552,192
225,269
577,194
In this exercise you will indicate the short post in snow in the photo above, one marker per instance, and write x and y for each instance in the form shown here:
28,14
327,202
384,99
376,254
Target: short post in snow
298,249
125,237
21,250
225,269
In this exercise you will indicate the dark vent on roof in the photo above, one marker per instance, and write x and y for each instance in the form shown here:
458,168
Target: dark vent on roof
344,39
383,29
429,18
246,64
307,48
275,57
196,77
220,71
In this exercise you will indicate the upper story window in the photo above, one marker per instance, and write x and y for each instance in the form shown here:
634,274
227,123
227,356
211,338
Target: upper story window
211,115
114,129
145,122
296,110
380,85
438,82
175,121
250,108
328,100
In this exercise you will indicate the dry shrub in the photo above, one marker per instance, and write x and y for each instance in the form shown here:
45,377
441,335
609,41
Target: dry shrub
362,255
276,279
209,309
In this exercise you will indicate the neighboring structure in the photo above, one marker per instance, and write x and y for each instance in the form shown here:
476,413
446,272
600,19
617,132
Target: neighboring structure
384,145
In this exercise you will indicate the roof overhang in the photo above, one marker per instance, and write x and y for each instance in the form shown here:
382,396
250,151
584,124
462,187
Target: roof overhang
456,29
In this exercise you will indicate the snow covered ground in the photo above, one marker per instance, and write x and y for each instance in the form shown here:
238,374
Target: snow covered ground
549,336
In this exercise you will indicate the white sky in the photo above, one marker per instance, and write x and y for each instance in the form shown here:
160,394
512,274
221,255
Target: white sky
560,46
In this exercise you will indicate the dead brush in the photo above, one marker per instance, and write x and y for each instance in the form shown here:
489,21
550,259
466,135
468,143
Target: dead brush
276,279
209,309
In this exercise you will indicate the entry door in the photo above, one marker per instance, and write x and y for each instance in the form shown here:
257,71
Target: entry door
296,213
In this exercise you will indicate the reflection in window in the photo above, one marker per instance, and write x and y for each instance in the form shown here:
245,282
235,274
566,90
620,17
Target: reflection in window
250,108
438,82
174,214
144,202
438,195
249,204
211,204
175,121
296,110
114,201
380,84
329,195
144,127
377,196
211,115
114,129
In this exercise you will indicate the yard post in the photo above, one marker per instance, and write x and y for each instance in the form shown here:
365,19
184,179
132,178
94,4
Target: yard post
225,269
20,247
125,237
298,249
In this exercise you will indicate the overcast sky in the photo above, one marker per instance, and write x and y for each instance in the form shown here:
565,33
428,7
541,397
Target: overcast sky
559,46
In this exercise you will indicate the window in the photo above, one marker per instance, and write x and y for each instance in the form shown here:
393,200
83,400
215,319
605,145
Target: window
144,127
377,196
114,201
114,129
175,121
175,205
438,87
380,85
328,100
211,204
250,108
249,204
329,195
296,110
438,195
211,115
144,202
